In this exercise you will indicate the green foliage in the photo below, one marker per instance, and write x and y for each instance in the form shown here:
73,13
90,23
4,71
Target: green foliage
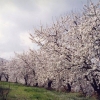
21,92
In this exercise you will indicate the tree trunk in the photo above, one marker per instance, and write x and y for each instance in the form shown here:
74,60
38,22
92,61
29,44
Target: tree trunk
26,79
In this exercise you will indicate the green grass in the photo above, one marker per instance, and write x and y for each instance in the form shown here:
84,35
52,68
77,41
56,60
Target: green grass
21,92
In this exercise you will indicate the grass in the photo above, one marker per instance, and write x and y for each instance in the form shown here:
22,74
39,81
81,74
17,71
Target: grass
21,92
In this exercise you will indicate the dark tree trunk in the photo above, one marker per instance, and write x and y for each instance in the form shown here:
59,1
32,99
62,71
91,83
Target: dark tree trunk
26,79
36,85
69,87
16,80
0,78
49,84
6,77
96,87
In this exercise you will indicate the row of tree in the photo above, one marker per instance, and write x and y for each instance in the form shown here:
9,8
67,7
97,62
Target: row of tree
68,57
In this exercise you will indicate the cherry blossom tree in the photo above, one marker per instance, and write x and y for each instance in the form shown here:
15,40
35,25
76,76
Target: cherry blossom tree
72,44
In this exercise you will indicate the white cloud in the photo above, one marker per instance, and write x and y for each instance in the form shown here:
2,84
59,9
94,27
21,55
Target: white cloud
2,38
17,17
25,39
1,35
6,55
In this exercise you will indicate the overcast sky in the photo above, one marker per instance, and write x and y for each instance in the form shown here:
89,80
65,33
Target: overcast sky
19,17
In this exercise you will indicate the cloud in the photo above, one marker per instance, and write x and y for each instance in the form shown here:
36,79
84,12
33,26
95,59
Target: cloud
19,17
1,36
6,55
25,40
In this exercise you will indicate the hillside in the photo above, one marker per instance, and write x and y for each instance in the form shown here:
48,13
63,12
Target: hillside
21,92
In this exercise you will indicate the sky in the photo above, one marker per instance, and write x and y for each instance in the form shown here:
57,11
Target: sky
18,18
